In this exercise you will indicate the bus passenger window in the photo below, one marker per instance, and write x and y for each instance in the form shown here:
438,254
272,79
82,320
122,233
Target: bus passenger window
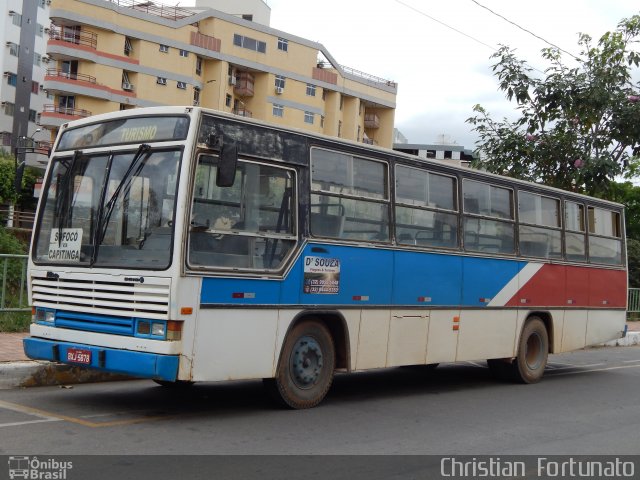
574,235
349,198
605,243
250,225
488,224
539,230
424,205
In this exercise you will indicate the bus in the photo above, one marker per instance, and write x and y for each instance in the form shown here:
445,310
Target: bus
185,245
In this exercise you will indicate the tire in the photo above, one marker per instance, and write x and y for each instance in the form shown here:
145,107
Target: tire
306,367
533,352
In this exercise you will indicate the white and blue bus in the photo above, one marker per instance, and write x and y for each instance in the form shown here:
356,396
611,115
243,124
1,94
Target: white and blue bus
184,245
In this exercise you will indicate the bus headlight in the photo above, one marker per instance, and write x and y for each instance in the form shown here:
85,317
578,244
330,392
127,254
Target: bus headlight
158,329
40,315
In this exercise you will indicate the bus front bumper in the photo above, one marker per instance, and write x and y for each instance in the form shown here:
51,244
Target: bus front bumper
137,364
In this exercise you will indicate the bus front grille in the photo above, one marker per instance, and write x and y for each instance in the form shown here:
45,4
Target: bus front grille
103,295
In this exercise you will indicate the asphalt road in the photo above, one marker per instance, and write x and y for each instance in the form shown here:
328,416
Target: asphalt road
588,403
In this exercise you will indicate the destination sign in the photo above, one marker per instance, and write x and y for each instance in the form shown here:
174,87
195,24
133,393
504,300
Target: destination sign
126,130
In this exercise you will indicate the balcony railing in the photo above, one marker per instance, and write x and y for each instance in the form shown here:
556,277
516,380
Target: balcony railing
52,72
152,8
244,84
243,112
74,112
87,39
371,120
357,73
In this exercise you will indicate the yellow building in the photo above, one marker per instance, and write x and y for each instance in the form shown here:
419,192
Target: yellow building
110,55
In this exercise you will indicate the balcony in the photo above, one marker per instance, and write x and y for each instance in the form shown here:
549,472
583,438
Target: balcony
53,116
243,112
53,74
371,120
76,37
244,84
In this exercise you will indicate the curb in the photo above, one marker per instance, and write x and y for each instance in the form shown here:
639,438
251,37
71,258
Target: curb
631,339
34,373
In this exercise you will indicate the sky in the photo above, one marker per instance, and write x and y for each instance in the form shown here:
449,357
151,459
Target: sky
439,52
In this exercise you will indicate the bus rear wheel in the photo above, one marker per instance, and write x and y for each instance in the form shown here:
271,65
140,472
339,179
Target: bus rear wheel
533,352
531,360
306,366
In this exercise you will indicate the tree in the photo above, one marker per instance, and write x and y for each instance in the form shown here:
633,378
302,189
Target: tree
578,126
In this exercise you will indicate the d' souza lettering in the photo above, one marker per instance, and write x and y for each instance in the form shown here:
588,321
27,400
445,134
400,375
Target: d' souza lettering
323,262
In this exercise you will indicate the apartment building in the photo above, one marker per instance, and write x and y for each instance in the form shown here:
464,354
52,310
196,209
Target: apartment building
119,54
23,33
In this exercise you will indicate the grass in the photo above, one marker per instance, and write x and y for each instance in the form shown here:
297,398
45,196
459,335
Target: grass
14,321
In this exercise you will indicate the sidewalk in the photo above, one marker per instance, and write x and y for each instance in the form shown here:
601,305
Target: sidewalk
16,370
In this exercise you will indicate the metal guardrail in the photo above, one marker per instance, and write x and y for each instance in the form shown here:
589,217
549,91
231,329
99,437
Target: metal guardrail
13,293
633,304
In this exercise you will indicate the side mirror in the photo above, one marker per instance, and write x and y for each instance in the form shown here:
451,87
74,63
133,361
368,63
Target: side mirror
228,161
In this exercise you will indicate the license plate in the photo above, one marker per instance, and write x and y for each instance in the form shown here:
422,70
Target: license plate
79,355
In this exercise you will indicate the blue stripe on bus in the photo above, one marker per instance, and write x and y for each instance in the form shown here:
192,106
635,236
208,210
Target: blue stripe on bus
375,277
137,364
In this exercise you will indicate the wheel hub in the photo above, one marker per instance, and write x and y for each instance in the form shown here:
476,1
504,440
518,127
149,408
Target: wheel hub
306,362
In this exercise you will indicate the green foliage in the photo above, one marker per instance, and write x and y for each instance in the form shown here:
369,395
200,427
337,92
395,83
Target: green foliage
633,260
579,126
7,175
629,195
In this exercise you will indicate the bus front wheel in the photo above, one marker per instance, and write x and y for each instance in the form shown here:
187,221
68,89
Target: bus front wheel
306,366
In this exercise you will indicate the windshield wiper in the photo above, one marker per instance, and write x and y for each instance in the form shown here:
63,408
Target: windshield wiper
62,210
137,163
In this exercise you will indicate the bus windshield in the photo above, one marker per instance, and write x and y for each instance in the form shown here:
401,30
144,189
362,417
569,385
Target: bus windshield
109,209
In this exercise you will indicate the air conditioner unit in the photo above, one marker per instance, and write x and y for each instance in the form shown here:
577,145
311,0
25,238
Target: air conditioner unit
232,80
127,86
279,90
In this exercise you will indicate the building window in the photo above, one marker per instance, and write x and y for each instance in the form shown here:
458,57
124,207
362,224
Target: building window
247,16
12,79
164,48
249,43
14,49
196,96
309,117
9,108
35,87
227,100
161,81
184,53
6,139
198,65
32,115
37,59
278,110
128,47
311,90
283,44
17,19
181,85
280,81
